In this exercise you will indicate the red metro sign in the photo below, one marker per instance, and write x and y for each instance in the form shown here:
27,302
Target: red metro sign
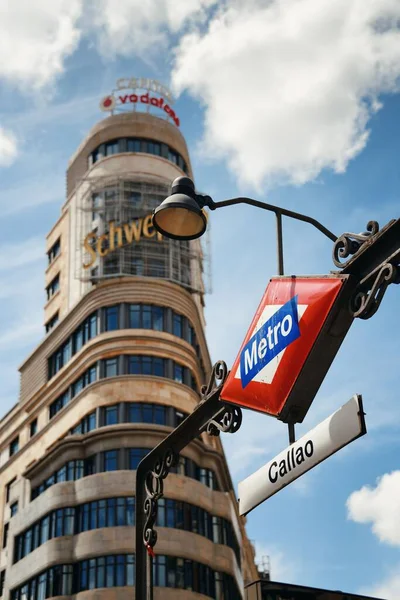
290,345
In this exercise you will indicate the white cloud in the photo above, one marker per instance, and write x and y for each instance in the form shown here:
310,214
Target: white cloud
142,28
379,506
290,85
35,38
389,589
8,147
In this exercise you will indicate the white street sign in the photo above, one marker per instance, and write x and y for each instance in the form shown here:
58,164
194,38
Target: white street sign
338,430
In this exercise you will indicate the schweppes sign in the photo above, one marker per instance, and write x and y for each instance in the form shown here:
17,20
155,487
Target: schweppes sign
117,237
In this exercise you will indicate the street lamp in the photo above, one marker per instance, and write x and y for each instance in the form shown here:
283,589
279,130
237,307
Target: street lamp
371,259
181,216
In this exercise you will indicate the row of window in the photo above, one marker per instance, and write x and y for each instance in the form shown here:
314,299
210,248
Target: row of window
119,512
133,364
122,316
119,571
120,459
122,145
130,412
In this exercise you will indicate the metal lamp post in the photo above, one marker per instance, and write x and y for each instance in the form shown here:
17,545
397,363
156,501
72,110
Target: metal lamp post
372,259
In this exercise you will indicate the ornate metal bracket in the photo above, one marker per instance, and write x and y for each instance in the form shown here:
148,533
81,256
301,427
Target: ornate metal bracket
217,379
154,486
367,300
373,259
228,420
220,417
349,244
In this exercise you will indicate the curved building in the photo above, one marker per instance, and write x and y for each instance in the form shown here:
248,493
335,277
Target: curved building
122,363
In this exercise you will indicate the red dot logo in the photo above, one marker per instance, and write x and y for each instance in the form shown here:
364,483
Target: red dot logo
107,103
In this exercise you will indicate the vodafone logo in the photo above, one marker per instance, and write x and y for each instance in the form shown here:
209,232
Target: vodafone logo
110,102
107,103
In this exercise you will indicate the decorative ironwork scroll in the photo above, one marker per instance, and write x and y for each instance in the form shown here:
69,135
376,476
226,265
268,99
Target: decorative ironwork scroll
368,299
349,244
154,486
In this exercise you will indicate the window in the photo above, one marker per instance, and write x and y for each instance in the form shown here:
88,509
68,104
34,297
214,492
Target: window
33,427
110,367
8,488
14,446
137,145
111,415
177,325
53,287
2,580
14,508
135,456
54,251
178,373
111,318
112,148
136,316
52,322
133,145
146,365
5,534
111,460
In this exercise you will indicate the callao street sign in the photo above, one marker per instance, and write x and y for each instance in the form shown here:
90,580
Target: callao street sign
342,427
290,345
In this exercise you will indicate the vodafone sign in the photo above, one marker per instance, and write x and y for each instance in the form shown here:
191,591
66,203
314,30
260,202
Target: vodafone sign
119,99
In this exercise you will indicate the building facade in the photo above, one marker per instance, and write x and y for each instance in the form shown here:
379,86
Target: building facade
121,364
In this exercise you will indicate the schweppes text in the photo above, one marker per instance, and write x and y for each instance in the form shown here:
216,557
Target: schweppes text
118,236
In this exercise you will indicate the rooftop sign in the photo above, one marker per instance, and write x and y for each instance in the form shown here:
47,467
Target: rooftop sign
120,99
289,347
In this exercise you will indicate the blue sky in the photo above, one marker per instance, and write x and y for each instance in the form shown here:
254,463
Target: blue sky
294,102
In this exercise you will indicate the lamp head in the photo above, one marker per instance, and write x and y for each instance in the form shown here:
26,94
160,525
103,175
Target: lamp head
180,216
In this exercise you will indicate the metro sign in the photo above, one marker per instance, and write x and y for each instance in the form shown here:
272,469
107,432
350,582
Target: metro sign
290,345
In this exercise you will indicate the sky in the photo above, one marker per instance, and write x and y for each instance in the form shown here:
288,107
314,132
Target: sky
292,102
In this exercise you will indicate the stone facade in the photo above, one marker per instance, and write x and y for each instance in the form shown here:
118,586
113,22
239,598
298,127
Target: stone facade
46,442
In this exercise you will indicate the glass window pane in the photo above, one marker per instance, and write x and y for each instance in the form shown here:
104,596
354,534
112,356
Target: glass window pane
134,413
130,509
160,415
110,367
120,570
146,365
134,316
111,507
121,516
130,570
146,317
110,571
111,318
178,373
111,460
101,572
158,366
147,413
158,318
101,521
111,415
134,365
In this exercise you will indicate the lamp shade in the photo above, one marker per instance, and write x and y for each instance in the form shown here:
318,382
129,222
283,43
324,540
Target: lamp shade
180,217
